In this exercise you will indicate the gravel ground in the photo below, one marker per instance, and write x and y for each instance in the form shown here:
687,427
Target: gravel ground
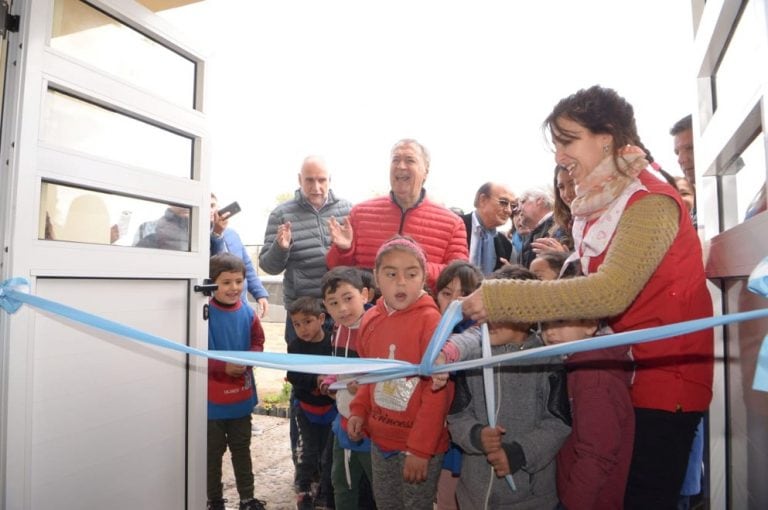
272,465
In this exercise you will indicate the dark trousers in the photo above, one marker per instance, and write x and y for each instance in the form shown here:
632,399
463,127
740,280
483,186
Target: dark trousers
314,454
354,493
235,434
290,336
660,458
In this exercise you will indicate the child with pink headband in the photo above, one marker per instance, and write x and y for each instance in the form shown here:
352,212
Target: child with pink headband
404,417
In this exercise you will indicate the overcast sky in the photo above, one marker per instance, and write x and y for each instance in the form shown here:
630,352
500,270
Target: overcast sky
472,80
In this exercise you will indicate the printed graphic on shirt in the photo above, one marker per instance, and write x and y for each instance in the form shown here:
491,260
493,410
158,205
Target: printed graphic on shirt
395,393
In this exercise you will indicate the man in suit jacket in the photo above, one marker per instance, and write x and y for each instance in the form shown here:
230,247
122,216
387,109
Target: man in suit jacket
489,249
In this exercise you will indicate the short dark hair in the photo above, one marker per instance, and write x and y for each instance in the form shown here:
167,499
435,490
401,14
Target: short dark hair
307,305
485,189
681,125
341,274
470,277
225,263
556,259
512,272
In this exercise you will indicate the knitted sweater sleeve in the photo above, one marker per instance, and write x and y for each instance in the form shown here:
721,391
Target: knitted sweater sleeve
645,232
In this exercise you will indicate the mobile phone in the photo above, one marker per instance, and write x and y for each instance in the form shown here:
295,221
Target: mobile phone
229,211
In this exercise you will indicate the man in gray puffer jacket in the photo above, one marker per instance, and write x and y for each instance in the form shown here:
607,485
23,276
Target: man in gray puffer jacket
297,238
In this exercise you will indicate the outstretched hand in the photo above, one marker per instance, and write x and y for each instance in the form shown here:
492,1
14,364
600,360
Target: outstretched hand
473,307
547,244
341,233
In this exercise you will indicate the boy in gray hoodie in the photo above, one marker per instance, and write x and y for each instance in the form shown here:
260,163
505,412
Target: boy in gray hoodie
532,416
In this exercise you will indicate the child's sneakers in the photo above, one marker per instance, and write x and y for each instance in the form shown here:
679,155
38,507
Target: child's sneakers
216,504
253,504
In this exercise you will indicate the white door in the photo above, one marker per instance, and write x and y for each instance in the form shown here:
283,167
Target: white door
105,197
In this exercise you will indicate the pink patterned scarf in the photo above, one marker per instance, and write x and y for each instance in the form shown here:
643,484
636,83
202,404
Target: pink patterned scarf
607,181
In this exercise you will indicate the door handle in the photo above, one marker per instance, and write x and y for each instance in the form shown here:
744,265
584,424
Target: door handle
207,287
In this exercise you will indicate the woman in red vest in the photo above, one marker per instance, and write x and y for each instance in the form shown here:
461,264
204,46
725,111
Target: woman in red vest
643,264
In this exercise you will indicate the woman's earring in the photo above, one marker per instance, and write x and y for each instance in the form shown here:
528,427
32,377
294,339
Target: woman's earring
606,148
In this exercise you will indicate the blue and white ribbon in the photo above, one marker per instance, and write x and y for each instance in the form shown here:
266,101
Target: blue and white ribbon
375,370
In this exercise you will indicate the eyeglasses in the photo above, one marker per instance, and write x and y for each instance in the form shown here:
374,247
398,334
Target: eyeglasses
506,204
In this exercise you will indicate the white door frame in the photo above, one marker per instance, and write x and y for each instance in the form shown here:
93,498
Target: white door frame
30,162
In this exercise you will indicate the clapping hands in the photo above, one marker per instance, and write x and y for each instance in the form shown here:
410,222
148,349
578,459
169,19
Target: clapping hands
341,233
284,235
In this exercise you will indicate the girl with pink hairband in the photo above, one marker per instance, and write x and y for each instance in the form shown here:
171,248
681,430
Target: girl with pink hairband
404,418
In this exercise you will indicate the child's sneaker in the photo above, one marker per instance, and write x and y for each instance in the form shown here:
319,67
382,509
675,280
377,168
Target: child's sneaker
304,501
253,504
322,503
216,504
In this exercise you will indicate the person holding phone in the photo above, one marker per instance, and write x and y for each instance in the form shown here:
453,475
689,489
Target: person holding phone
227,240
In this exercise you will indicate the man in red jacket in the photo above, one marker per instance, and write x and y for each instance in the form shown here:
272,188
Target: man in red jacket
405,211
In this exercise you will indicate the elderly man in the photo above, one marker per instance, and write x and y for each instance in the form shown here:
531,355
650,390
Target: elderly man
405,211
297,237
489,249
535,210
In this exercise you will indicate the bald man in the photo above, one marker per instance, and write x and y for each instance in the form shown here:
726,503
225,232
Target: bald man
297,236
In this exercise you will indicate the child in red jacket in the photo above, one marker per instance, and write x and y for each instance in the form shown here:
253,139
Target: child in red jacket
593,464
404,417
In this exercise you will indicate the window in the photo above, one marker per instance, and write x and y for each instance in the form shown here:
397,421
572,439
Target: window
75,124
95,38
88,216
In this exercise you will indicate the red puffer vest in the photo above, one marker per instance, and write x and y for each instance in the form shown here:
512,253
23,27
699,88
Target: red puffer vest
673,374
